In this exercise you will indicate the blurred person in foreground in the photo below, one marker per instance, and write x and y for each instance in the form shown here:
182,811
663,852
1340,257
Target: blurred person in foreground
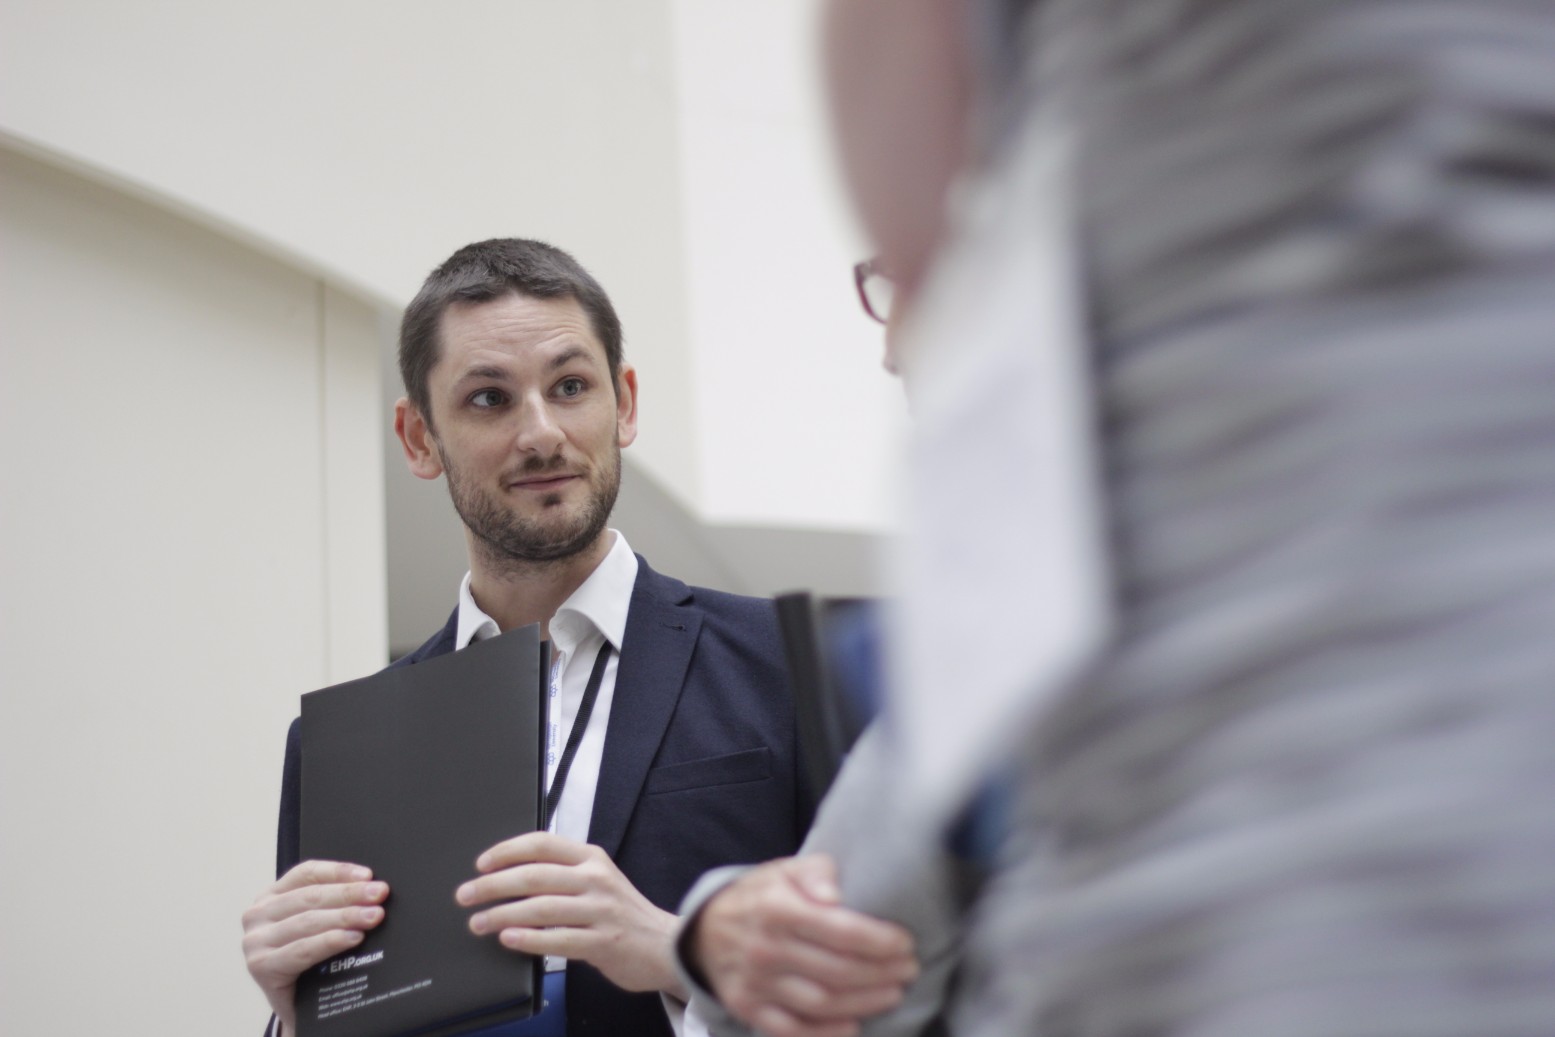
1285,771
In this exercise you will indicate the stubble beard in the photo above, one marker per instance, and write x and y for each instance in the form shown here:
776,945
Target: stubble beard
510,543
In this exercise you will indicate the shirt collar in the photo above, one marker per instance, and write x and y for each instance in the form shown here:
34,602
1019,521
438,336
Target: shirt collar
599,604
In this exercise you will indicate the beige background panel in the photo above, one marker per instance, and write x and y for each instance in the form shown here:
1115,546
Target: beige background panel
163,574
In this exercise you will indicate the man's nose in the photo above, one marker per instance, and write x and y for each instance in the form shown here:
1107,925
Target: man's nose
538,431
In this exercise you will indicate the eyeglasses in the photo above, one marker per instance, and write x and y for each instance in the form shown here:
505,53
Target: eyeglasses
876,290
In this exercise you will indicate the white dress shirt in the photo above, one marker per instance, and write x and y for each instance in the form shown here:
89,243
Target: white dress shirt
593,614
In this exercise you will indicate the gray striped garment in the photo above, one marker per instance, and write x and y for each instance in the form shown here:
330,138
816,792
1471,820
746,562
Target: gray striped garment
1311,788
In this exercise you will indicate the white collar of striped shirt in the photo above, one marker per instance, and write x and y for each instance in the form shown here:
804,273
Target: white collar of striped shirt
599,604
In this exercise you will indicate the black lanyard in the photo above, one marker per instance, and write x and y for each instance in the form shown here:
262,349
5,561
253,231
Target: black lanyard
579,723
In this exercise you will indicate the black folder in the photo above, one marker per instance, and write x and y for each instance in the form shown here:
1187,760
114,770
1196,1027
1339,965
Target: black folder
414,772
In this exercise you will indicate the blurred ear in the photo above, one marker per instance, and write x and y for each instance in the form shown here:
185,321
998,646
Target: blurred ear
626,405
421,455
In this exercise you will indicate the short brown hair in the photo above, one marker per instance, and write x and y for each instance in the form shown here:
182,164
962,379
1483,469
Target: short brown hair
489,270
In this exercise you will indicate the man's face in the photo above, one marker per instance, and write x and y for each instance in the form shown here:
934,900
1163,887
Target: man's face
528,428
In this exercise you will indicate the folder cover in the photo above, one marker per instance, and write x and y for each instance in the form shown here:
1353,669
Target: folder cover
413,772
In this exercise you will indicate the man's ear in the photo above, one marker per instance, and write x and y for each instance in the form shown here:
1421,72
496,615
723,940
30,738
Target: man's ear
626,405
421,455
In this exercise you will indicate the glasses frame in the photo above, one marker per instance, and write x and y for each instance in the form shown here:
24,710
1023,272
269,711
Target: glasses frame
863,270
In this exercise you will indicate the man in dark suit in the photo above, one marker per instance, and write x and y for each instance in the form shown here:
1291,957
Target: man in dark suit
674,698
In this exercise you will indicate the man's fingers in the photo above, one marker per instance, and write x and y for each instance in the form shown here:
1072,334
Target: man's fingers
276,907
824,1002
786,900
315,873
532,848
528,880
852,933
835,971
782,915
796,1005
281,965
303,927
576,894
534,913
562,943
773,1021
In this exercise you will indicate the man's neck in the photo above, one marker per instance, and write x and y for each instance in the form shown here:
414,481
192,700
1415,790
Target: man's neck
515,594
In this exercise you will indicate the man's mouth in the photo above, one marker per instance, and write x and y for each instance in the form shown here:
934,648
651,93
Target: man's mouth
541,483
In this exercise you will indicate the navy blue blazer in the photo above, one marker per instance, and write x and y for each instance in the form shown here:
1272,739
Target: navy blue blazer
699,769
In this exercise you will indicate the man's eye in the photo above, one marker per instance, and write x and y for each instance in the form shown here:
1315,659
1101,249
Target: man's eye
571,387
488,398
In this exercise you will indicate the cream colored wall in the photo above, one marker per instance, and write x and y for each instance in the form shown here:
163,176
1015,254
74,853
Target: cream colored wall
796,421
365,140
190,536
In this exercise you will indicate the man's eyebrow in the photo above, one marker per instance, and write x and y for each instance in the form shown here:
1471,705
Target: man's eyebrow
568,355
485,372
495,373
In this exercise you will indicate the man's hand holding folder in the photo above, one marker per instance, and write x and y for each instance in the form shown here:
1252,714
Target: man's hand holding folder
315,911
550,895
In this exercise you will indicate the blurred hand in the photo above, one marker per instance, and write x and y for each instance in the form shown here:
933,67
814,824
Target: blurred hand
784,956
554,895
312,913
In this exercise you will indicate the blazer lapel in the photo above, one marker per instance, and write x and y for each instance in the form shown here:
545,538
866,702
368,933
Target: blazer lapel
661,633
